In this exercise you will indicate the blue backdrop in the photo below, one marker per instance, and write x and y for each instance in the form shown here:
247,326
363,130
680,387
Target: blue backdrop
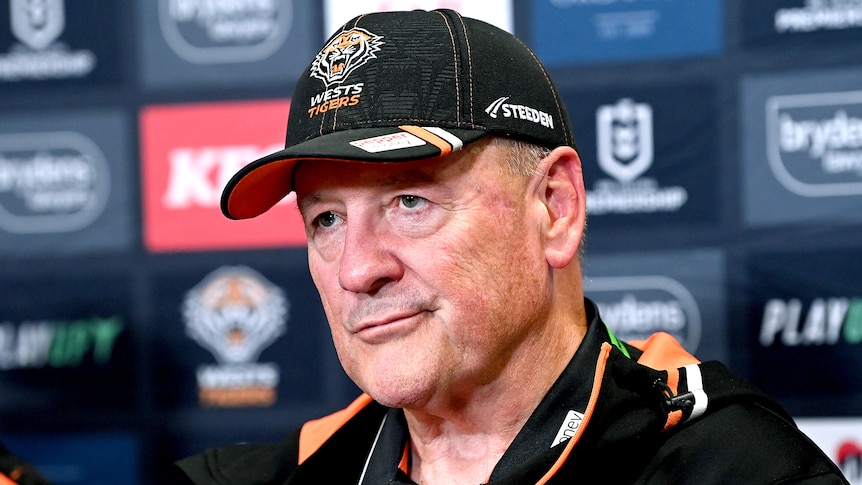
722,150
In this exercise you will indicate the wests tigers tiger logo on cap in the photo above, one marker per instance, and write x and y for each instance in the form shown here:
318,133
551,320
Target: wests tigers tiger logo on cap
346,52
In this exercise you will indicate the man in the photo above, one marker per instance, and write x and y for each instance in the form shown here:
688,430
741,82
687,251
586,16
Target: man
444,204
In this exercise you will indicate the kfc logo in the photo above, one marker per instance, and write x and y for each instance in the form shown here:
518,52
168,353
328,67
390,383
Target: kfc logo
189,153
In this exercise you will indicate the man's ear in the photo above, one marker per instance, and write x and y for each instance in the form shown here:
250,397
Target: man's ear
563,196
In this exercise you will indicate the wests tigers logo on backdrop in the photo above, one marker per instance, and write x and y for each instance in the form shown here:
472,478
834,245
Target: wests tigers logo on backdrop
235,313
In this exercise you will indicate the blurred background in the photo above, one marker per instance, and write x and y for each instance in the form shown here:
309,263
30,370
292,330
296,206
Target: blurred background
722,148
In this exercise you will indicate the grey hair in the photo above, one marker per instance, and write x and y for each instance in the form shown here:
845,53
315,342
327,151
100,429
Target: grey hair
522,158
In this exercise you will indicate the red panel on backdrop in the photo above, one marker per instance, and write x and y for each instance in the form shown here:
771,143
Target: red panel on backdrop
188,153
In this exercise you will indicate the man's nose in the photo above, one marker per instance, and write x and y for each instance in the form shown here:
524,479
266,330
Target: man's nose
368,258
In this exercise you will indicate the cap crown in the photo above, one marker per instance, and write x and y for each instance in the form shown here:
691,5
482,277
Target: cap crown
401,86
427,68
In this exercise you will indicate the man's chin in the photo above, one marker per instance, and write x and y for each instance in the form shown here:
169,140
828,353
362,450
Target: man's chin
399,396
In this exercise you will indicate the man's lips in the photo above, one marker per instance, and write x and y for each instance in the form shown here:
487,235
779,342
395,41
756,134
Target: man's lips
380,328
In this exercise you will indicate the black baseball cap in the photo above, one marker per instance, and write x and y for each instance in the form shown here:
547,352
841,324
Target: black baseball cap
403,86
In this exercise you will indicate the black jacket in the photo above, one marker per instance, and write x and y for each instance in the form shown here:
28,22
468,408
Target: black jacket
614,413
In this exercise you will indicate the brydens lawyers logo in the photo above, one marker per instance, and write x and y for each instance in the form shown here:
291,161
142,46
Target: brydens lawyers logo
208,32
625,152
51,182
635,307
814,143
333,64
235,313
189,153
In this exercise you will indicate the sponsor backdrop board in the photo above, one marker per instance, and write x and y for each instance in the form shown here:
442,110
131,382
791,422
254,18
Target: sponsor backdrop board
679,293
788,23
495,12
51,46
84,459
188,152
645,161
67,344
227,44
803,324
66,183
235,336
624,30
721,144
802,160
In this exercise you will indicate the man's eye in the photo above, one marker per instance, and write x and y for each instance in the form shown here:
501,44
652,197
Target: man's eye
327,219
412,201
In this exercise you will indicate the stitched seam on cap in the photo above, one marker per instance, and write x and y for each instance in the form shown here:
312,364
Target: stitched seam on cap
469,67
335,112
374,122
550,83
455,60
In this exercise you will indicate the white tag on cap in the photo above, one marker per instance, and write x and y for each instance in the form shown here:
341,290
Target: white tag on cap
385,143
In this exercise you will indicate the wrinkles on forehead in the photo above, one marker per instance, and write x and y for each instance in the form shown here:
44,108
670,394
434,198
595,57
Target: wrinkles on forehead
369,175
315,179
337,173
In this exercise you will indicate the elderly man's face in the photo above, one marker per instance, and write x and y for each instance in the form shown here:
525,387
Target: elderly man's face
431,273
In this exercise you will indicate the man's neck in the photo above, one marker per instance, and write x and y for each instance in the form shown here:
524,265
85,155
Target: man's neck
460,440
456,459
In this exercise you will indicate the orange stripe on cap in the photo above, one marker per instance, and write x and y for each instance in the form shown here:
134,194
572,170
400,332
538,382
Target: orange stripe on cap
430,137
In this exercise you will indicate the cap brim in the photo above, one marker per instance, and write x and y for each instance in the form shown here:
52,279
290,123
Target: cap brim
264,182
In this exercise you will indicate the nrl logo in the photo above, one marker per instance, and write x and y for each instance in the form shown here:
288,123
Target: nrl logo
625,139
344,54
235,313
37,23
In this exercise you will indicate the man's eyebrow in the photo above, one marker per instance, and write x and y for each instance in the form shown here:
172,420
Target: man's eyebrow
404,179
307,200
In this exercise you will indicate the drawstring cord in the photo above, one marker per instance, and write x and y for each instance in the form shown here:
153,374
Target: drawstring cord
683,401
